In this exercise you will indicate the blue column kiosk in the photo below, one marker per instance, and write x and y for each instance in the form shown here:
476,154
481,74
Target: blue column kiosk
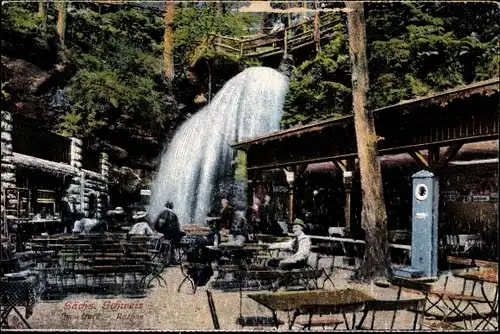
424,239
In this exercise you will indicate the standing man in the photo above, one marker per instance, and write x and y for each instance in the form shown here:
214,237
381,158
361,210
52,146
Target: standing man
268,224
226,215
167,223
299,246
68,214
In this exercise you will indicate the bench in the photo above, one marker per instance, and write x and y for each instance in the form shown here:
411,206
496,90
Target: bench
470,263
99,256
258,321
323,321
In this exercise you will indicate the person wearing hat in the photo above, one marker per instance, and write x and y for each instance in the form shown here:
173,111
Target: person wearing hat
299,246
141,226
114,218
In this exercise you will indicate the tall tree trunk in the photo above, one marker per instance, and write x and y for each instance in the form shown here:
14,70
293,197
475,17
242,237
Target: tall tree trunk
168,42
317,41
42,12
61,27
376,262
288,15
41,8
218,5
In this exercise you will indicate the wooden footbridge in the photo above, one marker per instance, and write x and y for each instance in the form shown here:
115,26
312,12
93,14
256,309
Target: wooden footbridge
311,32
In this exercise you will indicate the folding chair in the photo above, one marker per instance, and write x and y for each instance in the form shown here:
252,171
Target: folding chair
413,305
448,303
313,263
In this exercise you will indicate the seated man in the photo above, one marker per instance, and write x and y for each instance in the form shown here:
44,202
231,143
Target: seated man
141,225
300,246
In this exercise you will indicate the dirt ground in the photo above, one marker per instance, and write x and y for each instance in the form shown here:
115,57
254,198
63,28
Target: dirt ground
165,309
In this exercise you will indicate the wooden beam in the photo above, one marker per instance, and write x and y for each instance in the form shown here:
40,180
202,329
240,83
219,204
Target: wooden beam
450,153
419,158
341,165
433,156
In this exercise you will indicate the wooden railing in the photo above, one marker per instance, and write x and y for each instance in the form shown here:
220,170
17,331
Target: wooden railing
283,41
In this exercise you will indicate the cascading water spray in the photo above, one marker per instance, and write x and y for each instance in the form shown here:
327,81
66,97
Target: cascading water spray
198,159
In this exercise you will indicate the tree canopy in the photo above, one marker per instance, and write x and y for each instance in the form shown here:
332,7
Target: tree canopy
110,85
414,49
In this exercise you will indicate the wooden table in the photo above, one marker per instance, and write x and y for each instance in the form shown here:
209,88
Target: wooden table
313,302
242,255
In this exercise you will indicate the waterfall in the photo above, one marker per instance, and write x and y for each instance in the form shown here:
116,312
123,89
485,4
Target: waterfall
196,166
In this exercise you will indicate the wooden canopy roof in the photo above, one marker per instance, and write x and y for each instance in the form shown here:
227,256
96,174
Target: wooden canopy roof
461,115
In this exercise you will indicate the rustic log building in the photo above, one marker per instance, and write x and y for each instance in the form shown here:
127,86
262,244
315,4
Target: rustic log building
39,168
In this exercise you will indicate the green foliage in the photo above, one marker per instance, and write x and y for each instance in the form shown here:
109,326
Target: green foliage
241,166
25,34
70,125
5,95
430,50
414,49
319,87
111,86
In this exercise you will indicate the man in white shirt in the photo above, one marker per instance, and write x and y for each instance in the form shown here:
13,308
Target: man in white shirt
300,246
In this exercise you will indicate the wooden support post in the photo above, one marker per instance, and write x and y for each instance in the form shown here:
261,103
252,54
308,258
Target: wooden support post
317,37
347,167
251,180
290,179
419,158
433,156
292,173
291,199
348,189
288,15
450,153
285,51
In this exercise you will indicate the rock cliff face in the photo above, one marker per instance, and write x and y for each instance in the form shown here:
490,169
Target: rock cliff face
29,88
